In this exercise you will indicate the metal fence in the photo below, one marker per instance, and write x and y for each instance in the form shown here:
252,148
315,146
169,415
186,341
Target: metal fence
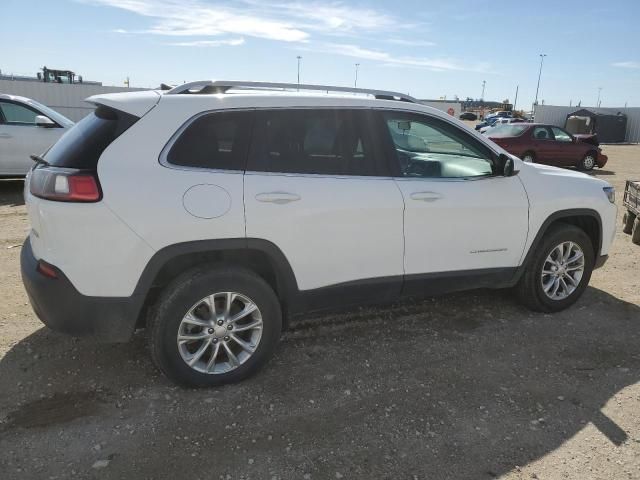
557,115
67,99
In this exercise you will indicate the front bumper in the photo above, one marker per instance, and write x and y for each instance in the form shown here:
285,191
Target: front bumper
62,308
602,160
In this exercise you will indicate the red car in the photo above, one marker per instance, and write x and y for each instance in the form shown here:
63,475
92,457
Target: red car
548,144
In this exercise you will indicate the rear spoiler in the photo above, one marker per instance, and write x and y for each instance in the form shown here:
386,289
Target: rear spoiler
133,103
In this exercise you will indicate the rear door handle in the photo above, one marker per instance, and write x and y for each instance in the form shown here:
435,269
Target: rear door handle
426,196
279,198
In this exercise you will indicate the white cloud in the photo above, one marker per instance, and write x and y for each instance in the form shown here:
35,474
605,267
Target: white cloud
411,43
434,64
271,19
629,64
209,43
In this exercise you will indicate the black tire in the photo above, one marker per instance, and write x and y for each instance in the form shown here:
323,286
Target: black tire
185,291
532,155
588,162
529,288
627,222
635,231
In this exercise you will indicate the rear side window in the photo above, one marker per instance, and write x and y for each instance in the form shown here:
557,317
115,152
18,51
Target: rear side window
82,146
14,114
324,142
215,140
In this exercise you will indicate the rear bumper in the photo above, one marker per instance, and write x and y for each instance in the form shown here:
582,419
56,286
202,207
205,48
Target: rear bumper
62,308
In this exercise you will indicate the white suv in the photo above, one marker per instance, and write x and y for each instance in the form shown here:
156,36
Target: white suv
214,212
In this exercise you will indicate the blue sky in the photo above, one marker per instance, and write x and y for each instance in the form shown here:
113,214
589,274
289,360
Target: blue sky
426,48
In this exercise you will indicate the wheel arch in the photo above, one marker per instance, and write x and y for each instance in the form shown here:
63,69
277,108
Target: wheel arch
586,219
260,256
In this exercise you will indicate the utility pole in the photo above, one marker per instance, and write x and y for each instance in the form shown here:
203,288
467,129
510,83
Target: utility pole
127,83
355,83
299,58
542,55
484,82
598,103
516,100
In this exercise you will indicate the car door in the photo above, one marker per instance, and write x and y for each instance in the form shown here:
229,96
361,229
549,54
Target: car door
566,150
462,220
317,188
21,137
543,145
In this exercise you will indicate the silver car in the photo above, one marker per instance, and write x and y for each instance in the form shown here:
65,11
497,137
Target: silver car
26,127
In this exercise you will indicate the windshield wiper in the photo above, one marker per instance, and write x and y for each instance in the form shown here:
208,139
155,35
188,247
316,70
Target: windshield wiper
39,160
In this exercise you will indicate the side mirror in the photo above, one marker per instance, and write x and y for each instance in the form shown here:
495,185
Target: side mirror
45,122
506,165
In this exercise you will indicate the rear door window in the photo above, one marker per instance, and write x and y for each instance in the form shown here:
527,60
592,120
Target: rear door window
214,140
542,133
321,142
83,144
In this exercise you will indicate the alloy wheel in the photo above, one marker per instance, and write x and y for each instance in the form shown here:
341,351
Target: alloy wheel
220,332
562,270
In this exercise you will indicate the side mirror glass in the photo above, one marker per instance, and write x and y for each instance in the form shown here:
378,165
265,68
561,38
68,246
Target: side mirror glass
44,121
506,165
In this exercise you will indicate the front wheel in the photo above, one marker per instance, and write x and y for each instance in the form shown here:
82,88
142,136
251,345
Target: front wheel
214,325
588,162
559,270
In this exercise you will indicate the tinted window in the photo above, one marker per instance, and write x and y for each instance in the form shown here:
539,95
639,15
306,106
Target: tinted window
215,140
561,135
429,147
13,113
83,144
326,142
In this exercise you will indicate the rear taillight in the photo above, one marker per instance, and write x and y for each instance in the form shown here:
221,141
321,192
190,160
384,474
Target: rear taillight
64,184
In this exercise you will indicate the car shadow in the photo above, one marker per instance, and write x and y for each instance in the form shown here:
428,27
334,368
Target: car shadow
11,192
599,172
463,386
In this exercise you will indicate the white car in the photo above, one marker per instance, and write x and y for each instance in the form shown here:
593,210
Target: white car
500,121
214,212
26,128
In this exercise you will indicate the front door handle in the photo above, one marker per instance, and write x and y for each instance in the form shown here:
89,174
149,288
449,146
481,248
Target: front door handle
426,196
279,198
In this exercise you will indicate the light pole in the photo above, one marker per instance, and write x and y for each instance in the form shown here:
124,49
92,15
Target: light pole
355,83
542,55
598,102
299,58
484,82
516,99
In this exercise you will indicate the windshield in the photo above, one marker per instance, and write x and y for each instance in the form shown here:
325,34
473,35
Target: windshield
508,130
52,114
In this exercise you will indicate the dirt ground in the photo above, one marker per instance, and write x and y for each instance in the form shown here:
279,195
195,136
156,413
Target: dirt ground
466,386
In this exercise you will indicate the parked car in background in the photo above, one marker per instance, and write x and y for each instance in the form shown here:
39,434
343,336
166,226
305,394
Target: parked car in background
500,114
166,210
468,116
486,122
26,127
631,218
500,121
548,144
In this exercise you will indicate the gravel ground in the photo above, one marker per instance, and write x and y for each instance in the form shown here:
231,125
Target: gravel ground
462,386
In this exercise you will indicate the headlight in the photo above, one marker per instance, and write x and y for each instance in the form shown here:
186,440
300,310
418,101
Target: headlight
610,192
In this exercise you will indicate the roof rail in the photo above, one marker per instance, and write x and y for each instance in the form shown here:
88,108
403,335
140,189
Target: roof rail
222,86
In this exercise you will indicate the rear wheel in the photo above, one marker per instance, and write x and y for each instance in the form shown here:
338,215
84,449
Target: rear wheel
214,326
558,271
627,222
529,157
588,161
635,231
